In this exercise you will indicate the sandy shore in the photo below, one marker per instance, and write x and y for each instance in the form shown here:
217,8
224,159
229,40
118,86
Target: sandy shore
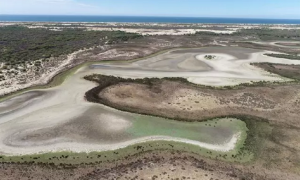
61,145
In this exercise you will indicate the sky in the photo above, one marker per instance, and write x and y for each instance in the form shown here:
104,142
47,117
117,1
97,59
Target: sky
282,9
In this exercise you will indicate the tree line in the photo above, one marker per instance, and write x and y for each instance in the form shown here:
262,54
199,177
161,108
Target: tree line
20,44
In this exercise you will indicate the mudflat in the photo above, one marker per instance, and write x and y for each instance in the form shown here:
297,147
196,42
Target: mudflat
231,66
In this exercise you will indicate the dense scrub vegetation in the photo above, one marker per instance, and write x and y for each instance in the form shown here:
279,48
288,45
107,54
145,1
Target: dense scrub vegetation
106,81
209,57
285,56
288,71
262,34
20,44
271,34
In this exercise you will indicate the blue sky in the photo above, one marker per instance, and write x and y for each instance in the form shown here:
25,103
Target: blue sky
189,8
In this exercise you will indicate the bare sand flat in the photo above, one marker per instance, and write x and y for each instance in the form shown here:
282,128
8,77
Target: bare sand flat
231,66
19,101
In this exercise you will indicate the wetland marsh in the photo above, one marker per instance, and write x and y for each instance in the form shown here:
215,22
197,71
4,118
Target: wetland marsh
58,125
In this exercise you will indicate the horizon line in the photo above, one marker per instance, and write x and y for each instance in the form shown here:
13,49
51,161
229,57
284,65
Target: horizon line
149,16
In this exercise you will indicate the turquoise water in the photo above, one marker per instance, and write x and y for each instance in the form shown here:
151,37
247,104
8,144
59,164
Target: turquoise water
140,19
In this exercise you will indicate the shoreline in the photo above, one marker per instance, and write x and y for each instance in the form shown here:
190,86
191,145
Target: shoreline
228,146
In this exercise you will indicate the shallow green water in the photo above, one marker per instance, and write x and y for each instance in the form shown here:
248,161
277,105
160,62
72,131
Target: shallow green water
214,131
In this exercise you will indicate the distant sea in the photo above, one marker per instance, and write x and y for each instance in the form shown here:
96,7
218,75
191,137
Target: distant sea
140,19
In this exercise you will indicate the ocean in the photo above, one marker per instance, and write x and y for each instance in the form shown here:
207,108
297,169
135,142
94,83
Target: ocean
140,19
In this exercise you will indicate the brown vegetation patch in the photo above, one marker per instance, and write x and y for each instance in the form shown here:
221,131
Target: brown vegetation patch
184,101
289,71
146,165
